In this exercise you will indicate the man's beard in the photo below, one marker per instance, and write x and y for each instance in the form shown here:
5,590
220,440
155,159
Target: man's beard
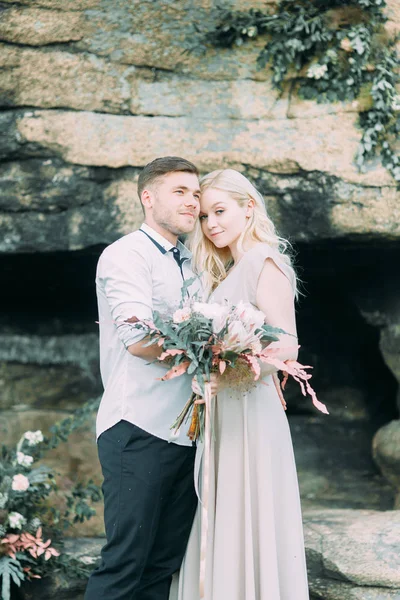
165,221
169,227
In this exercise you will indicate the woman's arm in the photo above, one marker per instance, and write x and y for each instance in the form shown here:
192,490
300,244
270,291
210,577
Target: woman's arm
275,299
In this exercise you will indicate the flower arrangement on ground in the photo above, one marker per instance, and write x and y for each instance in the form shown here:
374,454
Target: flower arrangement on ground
29,523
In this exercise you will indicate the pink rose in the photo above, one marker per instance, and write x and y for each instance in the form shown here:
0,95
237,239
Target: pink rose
20,483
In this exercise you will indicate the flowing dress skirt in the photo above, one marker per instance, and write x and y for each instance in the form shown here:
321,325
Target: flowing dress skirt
255,547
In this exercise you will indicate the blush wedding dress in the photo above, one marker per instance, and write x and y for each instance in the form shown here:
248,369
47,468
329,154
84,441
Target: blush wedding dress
254,545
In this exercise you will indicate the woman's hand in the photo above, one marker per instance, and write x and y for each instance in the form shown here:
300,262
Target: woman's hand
216,385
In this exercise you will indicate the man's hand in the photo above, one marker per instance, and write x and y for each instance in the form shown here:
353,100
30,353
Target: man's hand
145,352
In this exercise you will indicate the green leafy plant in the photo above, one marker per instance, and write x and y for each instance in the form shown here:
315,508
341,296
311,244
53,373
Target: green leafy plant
10,570
337,51
27,513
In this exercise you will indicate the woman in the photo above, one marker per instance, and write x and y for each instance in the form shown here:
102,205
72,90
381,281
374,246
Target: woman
254,541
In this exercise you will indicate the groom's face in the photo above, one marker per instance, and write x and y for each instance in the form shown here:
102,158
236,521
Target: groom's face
174,202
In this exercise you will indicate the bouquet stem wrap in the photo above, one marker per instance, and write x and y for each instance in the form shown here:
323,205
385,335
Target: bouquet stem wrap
205,488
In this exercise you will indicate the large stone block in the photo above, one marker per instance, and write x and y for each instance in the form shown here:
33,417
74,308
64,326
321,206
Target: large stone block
311,205
50,205
66,5
329,589
37,27
386,452
379,304
164,35
358,549
351,555
390,346
299,108
55,387
54,79
54,372
335,466
179,96
48,186
116,141
73,349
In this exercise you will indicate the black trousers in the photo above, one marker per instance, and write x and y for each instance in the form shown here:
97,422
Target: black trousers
149,506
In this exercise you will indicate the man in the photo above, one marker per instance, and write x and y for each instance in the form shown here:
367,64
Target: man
149,497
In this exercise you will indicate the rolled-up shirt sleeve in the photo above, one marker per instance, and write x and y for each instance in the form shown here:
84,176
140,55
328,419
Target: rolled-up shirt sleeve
126,283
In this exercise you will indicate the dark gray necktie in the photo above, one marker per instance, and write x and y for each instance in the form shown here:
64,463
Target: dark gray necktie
178,259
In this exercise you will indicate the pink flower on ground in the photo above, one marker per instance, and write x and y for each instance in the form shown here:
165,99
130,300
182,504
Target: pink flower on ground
20,483
346,45
26,542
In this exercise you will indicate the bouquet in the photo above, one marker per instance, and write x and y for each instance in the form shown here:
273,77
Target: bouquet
201,338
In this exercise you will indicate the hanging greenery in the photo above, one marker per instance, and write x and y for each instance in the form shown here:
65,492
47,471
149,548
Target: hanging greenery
337,51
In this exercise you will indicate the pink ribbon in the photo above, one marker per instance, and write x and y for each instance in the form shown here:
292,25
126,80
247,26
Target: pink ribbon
205,489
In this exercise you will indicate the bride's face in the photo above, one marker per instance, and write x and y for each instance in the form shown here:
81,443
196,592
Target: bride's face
222,219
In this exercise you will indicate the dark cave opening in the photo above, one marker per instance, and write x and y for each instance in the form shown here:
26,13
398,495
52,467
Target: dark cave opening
49,293
54,294
338,278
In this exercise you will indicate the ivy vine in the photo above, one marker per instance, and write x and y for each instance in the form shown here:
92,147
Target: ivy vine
338,51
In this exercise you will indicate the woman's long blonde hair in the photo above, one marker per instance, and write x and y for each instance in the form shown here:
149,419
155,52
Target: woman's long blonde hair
213,263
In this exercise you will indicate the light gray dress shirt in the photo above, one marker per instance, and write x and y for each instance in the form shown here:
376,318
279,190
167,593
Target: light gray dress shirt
136,275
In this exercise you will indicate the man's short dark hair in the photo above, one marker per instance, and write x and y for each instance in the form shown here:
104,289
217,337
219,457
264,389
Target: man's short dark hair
162,166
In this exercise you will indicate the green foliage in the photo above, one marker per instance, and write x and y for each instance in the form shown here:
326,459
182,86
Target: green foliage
61,430
27,494
10,570
195,338
78,508
338,51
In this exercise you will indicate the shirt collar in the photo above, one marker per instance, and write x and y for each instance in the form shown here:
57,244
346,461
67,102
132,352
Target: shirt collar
163,243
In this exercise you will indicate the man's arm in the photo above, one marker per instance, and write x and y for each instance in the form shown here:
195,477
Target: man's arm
126,282
145,352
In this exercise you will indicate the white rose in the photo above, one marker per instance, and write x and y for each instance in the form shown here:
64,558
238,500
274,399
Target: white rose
396,103
33,437
16,520
219,322
250,317
316,71
24,459
20,483
181,315
211,310
218,313
252,31
207,310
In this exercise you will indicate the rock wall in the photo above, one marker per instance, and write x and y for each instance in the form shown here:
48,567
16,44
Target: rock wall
90,91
